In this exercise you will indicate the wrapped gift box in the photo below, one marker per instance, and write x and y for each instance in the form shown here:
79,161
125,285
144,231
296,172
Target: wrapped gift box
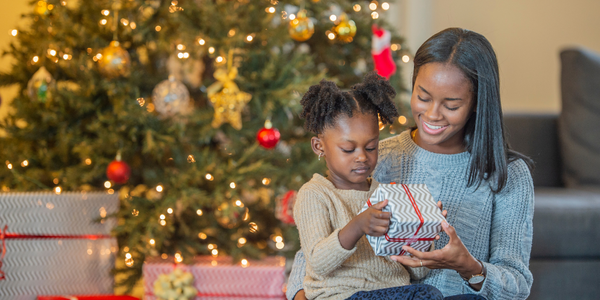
415,219
219,278
54,245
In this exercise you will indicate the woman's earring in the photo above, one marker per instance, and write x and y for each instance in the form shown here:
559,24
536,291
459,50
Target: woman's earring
320,154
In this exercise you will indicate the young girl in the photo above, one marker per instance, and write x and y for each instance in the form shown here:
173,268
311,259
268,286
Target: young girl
340,260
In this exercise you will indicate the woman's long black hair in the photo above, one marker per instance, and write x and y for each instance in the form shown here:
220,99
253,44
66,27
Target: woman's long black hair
472,53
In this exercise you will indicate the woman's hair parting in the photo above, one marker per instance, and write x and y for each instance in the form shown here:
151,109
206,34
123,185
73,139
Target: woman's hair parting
485,139
325,102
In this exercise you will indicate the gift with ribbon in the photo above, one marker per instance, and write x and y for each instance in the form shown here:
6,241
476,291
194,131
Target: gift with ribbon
221,278
56,244
415,219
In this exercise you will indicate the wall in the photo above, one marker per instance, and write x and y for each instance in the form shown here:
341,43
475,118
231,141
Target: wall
527,37
10,18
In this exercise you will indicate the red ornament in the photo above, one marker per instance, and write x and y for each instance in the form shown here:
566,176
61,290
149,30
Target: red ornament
268,136
118,171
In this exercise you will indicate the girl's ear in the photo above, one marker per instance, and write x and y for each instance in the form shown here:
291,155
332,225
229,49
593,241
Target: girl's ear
317,145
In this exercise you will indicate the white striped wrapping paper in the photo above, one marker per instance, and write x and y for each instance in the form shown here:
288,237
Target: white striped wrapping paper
404,220
57,266
217,278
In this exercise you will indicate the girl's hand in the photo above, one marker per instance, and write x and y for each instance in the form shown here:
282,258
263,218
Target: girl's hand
453,256
374,221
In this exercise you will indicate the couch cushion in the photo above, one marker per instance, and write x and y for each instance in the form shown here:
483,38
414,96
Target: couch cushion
579,121
566,223
535,135
564,279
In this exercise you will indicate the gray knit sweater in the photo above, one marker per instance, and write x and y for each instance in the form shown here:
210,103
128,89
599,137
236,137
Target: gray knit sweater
496,228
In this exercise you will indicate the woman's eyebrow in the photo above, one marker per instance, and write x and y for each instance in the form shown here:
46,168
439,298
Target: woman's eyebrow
428,93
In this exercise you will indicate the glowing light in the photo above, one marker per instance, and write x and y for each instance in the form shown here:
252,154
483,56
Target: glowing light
8,165
199,212
405,58
150,107
375,15
135,212
24,164
14,32
105,12
231,32
211,246
66,56
159,188
162,223
211,50
373,5
278,239
157,28
333,18
395,47
331,36
180,47
266,181
35,59
186,55
103,22
232,185
292,17
178,257
162,217
52,52
191,159
214,252
125,249
249,38
57,190
385,6
209,177
201,42
90,251
99,56
125,22
180,55
152,242
127,255
102,212
357,7
63,3
133,25
244,262
202,235
270,9
402,120
107,184
55,180
279,245
242,241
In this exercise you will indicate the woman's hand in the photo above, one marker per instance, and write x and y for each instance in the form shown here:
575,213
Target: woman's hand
300,295
453,256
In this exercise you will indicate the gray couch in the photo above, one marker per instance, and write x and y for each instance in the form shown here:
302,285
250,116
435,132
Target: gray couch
565,258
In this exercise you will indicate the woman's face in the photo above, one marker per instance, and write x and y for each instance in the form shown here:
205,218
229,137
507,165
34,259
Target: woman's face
441,103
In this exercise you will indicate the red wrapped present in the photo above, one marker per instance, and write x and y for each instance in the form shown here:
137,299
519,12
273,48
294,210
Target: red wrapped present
95,297
219,278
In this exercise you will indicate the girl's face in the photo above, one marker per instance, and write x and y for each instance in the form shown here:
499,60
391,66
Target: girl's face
441,103
350,150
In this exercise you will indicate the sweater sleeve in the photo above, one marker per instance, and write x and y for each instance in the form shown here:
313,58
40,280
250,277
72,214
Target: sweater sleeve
508,275
294,284
320,243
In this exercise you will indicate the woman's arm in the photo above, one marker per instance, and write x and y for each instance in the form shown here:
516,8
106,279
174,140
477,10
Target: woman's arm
507,270
294,284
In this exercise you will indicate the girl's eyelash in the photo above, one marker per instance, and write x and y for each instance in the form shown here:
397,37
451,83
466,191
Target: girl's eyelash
371,149
421,98
348,151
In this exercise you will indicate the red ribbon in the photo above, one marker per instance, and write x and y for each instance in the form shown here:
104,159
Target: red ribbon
5,235
421,221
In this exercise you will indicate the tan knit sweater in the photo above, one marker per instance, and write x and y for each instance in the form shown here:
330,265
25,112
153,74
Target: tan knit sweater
332,272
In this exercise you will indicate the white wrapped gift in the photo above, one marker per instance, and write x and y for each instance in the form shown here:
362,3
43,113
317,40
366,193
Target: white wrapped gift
415,219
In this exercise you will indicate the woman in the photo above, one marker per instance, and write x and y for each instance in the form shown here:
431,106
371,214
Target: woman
459,150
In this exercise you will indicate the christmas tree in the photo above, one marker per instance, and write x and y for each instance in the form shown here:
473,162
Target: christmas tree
188,110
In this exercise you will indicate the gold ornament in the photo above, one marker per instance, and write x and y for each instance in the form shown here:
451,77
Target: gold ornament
41,8
115,61
231,214
40,85
176,285
345,30
301,28
229,101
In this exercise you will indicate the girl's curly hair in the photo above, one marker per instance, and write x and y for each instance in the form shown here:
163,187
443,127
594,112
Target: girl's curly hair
324,102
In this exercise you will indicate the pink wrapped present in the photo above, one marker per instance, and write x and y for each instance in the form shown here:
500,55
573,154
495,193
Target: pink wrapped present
219,278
